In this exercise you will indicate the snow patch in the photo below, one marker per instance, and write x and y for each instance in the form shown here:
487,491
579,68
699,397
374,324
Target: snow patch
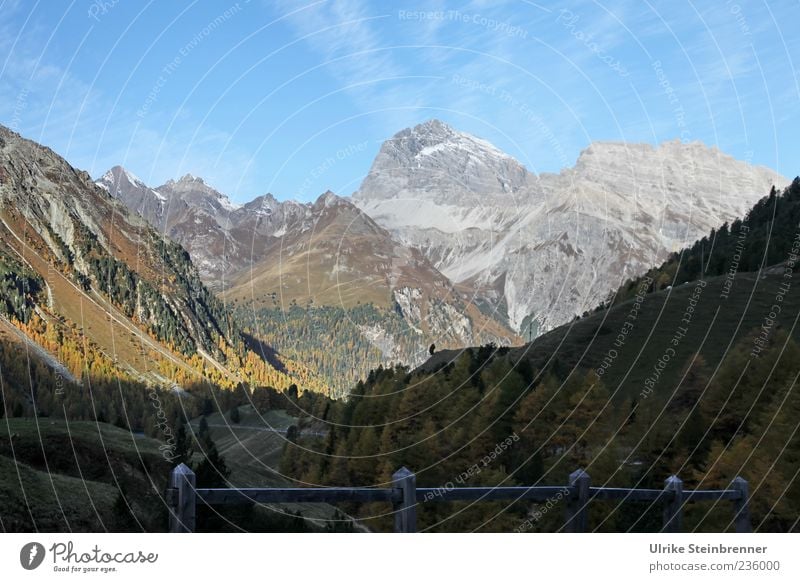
132,178
226,203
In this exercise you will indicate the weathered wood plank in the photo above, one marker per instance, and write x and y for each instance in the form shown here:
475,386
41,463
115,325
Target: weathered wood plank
710,495
741,506
433,494
295,495
622,494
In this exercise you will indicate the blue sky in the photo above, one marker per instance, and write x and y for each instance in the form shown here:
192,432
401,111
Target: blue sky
295,98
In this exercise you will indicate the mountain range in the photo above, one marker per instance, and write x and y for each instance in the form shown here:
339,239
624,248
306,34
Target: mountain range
103,291
456,236
541,249
109,331
266,256
448,241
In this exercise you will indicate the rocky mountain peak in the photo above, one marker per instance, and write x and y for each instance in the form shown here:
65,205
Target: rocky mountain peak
196,192
427,134
186,179
483,220
329,199
439,163
191,178
434,125
434,136
118,174
125,186
264,204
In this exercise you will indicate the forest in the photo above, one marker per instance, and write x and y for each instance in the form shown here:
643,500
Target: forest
443,424
723,405
721,400
334,341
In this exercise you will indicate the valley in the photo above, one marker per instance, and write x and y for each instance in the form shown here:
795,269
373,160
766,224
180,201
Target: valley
339,339
448,241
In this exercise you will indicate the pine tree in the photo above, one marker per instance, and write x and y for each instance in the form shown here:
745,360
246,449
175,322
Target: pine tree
212,470
182,446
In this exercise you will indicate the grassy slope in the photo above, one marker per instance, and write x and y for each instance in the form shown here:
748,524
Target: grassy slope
252,450
113,333
70,473
715,326
309,277
35,500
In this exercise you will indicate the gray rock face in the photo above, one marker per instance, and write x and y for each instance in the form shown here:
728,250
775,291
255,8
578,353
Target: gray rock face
222,238
541,249
136,195
328,252
438,164
98,261
532,250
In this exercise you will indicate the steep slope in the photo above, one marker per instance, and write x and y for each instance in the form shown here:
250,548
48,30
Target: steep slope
221,237
136,195
545,248
330,260
344,259
92,279
187,201
692,373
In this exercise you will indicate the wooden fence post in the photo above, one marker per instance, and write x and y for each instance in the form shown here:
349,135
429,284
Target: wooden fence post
577,512
405,510
741,507
182,511
673,505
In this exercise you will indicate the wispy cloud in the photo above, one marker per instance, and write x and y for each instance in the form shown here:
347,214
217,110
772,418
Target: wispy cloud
343,34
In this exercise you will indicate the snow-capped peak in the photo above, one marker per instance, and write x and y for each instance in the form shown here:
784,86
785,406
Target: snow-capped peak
227,204
120,172
437,136
444,164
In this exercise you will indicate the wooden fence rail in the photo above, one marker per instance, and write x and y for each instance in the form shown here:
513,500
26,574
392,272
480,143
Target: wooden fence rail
183,497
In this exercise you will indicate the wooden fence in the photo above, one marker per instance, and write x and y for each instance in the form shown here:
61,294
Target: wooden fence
183,497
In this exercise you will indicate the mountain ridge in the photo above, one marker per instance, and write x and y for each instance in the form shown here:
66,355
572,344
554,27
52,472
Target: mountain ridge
89,276
512,250
621,208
